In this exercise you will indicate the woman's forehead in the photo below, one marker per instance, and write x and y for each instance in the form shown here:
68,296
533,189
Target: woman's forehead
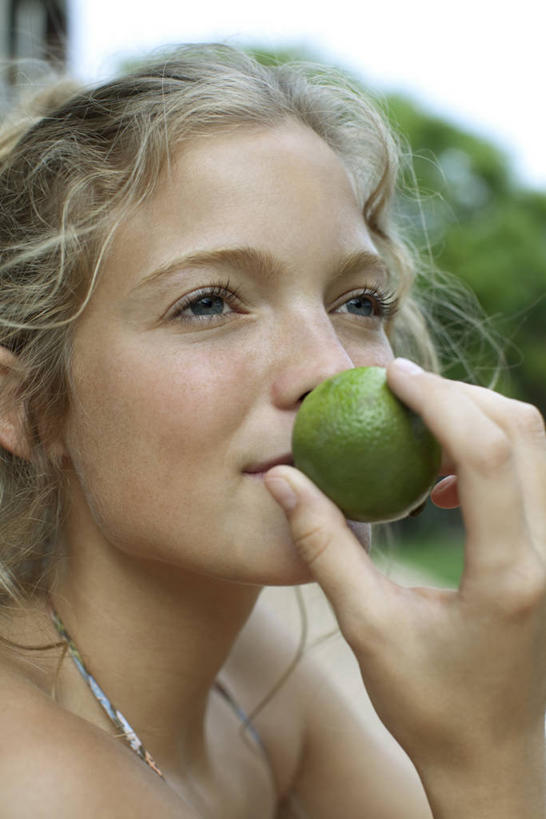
240,188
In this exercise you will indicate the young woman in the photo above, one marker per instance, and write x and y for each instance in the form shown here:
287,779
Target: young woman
186,253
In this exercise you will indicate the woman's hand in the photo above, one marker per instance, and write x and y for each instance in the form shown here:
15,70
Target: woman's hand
458,677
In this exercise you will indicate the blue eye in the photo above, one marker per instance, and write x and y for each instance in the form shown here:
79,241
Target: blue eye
207,306
360,306
211,303
370,303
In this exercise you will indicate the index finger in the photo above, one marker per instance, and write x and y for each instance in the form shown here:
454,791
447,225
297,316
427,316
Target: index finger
352,583
483,456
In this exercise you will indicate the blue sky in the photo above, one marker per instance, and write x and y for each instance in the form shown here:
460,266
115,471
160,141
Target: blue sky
477,62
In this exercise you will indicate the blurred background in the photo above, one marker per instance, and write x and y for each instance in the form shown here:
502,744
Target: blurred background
462,83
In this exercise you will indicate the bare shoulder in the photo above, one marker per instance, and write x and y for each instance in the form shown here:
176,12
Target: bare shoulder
54,764
342,761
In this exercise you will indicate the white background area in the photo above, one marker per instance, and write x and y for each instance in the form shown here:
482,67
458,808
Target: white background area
481,64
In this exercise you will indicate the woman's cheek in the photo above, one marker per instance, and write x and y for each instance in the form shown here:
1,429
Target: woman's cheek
366,351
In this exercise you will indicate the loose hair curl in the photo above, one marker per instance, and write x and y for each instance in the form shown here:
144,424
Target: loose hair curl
74,163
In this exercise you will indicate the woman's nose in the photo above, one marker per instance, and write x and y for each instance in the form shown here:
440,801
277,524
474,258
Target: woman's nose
305,357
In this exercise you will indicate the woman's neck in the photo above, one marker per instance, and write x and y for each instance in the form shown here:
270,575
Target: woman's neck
154,637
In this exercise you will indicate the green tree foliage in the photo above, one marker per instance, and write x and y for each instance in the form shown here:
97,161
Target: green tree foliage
488,230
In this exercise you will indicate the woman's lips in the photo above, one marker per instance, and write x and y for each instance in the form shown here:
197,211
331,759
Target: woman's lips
260,469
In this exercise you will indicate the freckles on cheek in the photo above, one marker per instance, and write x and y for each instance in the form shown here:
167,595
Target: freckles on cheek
156,406
201,391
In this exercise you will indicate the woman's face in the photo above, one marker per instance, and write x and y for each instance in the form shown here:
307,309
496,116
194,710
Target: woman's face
245,281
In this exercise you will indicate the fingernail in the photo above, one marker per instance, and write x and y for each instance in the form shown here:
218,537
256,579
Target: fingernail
282,492
408,366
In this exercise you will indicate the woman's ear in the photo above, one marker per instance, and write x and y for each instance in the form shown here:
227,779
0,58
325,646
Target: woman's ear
12,427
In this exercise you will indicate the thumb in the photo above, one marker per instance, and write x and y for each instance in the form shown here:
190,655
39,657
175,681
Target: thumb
336,559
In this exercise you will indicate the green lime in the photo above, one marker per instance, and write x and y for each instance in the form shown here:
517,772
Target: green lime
366,450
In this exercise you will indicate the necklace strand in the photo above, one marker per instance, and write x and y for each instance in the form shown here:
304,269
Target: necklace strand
113,713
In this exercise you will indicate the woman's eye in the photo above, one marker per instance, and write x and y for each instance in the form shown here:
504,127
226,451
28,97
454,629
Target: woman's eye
371,302
361,306
207,306
207,303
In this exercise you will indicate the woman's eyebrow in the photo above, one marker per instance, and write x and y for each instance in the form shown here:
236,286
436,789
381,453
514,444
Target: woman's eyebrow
363,261
249,259
255,261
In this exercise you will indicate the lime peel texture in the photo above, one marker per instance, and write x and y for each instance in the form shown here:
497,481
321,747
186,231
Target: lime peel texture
365,449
